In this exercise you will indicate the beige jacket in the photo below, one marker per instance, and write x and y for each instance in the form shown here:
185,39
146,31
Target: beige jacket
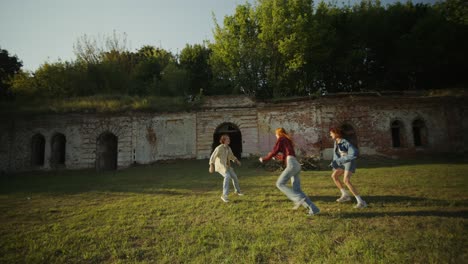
221,157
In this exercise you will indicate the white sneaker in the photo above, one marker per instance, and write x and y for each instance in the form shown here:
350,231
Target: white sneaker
298,204
312,213
361,205
224,198
239,193
343,199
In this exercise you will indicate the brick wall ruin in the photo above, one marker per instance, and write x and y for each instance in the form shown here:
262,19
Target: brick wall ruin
383,125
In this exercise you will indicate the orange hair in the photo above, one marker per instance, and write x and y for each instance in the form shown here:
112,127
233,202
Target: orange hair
282,133
337,131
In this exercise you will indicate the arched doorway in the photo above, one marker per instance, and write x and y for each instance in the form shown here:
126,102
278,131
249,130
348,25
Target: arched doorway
37,150
106,152
419,133
349,134
234,134
397,129
57,150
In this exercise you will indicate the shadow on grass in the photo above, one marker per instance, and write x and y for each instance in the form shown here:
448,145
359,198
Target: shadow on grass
84,181
452,214
420,159
377,199
371,162
174,178
394,199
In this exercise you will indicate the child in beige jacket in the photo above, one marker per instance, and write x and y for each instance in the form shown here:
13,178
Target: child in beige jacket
220,161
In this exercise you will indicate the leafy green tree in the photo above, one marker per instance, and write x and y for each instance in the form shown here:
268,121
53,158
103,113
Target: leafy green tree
273,48
284,35
163,56
146,77
263,51
56,80
455,11
194,59
147,73
9,66
238,57
23,86
175,81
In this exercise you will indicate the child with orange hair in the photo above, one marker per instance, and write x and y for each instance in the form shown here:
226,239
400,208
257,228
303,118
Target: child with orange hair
285,145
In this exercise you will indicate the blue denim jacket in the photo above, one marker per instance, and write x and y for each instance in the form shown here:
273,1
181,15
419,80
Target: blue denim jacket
344,152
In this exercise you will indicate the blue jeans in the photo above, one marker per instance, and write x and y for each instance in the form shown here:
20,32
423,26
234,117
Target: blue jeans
295,194
230,174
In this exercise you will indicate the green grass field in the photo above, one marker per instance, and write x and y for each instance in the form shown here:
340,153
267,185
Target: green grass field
172,213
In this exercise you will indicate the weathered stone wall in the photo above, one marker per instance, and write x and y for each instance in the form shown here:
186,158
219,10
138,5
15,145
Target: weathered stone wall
148,137
300,119
372,117
168,136
218,110
22,130
92,127
208,121
81,132
142,138
5,134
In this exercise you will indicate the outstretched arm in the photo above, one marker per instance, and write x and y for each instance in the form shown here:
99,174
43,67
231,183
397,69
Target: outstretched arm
275,151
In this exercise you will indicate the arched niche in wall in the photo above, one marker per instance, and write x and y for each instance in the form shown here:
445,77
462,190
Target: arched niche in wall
37,150
234,134
349,133
58,148
419,133
106,151
397,131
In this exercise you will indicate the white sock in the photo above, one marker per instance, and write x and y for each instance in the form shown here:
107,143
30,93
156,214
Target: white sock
343,192
359,199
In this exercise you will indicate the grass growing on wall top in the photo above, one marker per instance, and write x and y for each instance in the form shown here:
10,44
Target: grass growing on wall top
100,104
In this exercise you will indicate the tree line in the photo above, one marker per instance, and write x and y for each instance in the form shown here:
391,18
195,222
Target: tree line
270,49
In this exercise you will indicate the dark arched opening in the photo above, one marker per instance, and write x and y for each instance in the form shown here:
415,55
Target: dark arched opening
419,133
57,150
397,134
234,134
349,134
106,152
37,150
